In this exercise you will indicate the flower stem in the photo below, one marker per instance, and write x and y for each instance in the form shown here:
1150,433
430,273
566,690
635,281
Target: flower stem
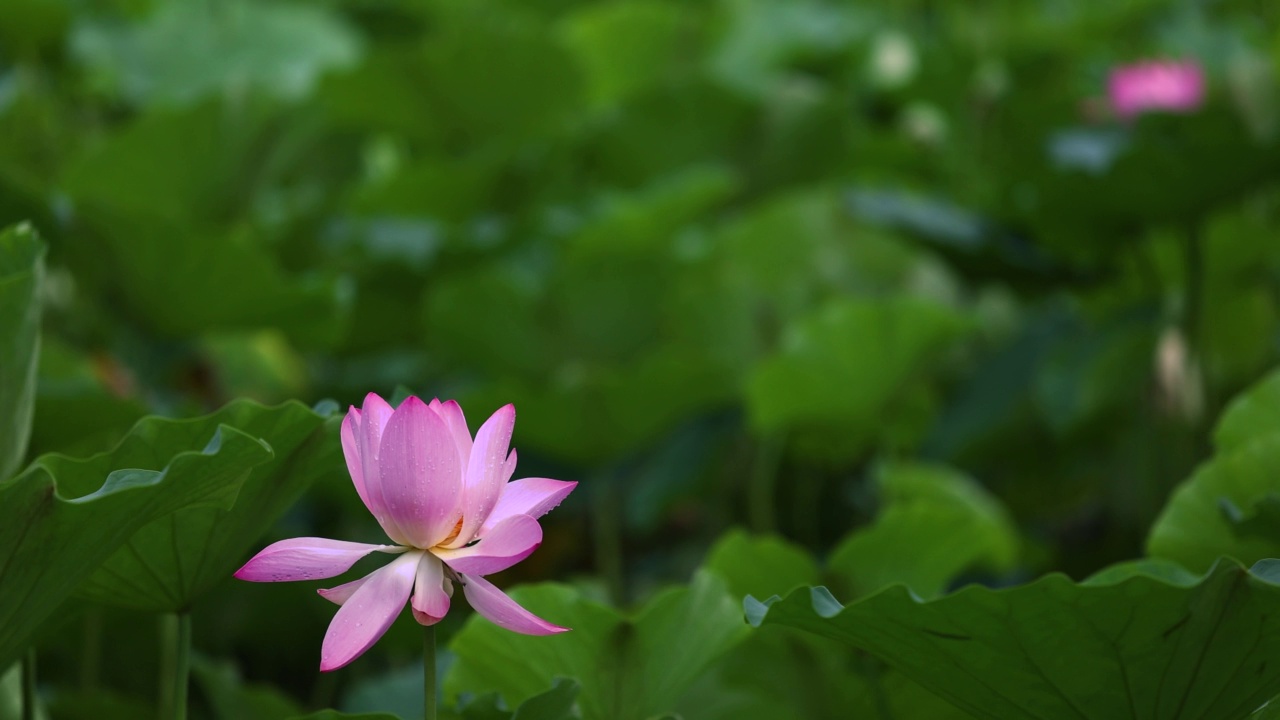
29,685
762,489
807,508
608,531
91,649
175,668
1193,257
429,701
873,672
1192,320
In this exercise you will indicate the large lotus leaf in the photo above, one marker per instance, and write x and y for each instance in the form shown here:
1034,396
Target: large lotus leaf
596,413
129,173
437,192
608,304
1138,641
1036,29
788,276
477,315
810,141
850,367
637,146
781,674
1270,712
170,280
1240,316
626,47
162,227
609,292
933,524
764,37
606,299
826,251
1202,160
554,704
383,94
776,673
63,517
1254,414
31,27
21,274
1090,371
187,51
650,217
630,668
1261,521
600,337
1201,521
168,563
993,400
496,75
1203,518
760,565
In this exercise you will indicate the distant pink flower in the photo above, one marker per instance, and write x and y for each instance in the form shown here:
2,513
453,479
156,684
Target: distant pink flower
1156,85
446,502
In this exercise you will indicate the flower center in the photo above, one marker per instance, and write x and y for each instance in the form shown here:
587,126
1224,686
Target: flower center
453,535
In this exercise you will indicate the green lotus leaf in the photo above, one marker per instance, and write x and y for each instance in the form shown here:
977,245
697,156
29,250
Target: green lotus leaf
168,563
21,275
1216,512
933,524
62,517
630,668
1143,640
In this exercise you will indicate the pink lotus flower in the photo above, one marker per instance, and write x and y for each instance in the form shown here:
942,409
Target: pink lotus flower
1156,85
446,502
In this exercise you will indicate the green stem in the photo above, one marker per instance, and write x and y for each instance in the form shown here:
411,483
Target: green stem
871,669
1193,256
808,508
29,685
608,543
175,668
1193,328
324,691
762,498
429,672
91,651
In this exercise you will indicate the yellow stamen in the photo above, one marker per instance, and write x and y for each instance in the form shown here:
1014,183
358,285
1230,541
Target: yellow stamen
453,535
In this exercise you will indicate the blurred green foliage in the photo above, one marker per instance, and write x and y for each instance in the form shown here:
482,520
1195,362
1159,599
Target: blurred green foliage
887,283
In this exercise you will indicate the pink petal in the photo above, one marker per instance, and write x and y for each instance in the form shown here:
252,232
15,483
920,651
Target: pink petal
451,413
486,472
421,475
351,451
530,496
1166,86
430,599
509,542
502,611
374,417
306,558
367,614
341,593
